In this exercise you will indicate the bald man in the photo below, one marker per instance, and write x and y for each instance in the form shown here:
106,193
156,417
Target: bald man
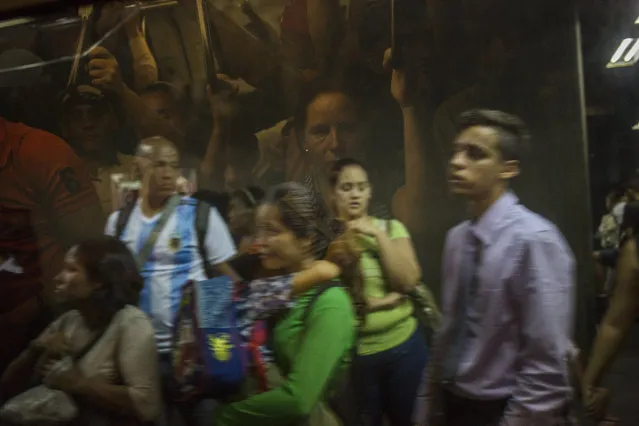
177,255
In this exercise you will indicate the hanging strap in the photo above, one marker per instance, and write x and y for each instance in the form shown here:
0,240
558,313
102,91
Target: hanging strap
147,248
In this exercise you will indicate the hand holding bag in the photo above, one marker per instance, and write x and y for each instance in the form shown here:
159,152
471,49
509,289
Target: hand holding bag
43,406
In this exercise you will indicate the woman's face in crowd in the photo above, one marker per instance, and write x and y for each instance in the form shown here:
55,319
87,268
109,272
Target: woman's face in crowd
280,249
72,284
240,215
333,127
352,193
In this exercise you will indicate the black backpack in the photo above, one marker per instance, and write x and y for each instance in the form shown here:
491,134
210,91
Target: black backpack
202,213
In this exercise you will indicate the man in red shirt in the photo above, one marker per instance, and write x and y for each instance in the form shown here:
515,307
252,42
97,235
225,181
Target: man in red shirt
47,204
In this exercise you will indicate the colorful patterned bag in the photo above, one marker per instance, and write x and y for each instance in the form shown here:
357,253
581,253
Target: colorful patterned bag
209,359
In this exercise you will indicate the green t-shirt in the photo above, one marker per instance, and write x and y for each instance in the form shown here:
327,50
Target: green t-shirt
386,329
308,365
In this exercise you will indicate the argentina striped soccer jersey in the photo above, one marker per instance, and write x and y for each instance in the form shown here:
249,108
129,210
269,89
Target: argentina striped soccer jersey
174,260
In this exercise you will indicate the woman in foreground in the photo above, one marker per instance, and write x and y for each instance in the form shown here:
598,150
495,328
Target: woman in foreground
114,377
310,352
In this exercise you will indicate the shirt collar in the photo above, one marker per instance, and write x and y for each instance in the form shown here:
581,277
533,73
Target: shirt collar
488,224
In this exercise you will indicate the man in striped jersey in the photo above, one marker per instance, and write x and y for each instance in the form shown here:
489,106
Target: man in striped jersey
160,230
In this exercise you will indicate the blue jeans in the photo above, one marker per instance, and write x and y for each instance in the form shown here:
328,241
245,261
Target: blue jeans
191,413
387,382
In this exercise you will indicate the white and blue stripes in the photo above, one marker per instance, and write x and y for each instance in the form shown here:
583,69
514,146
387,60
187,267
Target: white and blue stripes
174,261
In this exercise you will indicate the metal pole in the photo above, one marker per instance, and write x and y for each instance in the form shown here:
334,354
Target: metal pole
74,20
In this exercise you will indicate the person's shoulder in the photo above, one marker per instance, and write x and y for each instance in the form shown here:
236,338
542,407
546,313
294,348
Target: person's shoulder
531,228
457,231
192,202
533,225
334,296
134,317
36,141
187,200
68,319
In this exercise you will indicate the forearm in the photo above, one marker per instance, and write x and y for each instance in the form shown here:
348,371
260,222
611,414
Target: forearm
401,272
606,346
415,156
321,272
323,23
390,301
408,202
145,68
214,162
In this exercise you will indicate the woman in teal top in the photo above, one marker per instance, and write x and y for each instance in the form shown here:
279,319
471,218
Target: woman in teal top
392,352
309,353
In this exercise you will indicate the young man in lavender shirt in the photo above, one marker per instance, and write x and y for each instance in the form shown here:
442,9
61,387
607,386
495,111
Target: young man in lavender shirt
508,275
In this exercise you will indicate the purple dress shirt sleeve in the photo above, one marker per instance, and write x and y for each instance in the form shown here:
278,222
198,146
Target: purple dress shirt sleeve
544,295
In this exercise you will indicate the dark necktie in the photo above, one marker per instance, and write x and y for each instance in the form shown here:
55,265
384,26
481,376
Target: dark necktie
466,293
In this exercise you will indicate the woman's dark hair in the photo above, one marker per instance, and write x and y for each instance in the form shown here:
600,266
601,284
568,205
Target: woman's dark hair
338,167
250,196
299,213
109,262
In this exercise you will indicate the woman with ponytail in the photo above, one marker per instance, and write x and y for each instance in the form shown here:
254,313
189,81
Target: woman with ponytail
312,339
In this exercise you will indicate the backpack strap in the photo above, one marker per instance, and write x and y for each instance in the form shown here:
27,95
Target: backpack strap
202,214
123,219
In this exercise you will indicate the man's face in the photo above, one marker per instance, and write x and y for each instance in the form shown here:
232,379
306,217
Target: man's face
476,167
163,173
90,127
165,107
333,129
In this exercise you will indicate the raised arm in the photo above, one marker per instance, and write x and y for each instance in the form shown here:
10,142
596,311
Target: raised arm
104,71
408,200
145,67
223,110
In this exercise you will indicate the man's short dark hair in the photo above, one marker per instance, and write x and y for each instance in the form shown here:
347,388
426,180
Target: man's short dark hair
514,136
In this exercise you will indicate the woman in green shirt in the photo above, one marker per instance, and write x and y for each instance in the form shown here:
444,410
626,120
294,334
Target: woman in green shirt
309,352
392,352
